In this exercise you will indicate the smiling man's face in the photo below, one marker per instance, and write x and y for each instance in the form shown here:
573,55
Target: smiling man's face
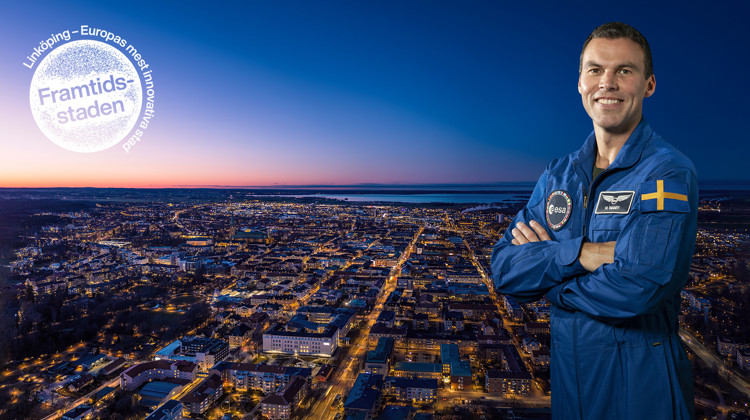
613,84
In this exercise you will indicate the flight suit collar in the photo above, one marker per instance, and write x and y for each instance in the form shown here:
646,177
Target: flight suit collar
628,156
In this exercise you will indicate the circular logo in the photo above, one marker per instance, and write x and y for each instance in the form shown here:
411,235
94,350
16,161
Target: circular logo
86,96
559,208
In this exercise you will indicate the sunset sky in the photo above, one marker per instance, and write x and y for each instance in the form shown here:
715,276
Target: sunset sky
393,92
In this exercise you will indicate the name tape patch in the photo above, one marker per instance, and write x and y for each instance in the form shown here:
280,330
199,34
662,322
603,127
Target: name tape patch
559,208
614,202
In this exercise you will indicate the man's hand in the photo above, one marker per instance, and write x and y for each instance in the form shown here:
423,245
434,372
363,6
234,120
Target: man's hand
523,234
595,254
592,256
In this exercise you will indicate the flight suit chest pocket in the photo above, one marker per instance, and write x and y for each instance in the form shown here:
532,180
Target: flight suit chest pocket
653,244
606,227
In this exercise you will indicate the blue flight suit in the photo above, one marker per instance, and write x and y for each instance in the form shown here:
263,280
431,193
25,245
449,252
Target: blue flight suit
615,351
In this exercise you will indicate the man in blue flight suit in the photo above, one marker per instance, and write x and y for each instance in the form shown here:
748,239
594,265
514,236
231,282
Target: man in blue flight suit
607,237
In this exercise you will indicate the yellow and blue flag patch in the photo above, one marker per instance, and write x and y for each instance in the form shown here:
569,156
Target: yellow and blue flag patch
661,195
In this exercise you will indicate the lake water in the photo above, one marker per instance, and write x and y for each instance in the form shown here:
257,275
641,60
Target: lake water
453,198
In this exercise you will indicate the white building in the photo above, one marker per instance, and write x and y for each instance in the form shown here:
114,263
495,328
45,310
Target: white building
205,352
141,373
279,339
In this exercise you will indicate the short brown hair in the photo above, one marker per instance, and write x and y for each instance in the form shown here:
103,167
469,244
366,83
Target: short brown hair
617,30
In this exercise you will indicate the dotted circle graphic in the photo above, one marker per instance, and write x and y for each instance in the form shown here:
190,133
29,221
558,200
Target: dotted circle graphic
86,96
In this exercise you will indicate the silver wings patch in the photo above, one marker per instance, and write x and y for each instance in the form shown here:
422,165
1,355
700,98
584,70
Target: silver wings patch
614,200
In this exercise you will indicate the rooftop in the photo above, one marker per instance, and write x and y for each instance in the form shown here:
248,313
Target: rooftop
365,393
203,390
412,382
382,351
418,367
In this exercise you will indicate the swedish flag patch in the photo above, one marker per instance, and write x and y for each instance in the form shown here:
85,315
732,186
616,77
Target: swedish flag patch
661,195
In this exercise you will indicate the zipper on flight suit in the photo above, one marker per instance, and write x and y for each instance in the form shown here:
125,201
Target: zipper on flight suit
586,221
586,218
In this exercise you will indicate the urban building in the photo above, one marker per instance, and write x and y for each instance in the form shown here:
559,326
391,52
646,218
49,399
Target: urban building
301,340
170,410
743,357
249,376
412,390
364,399
514,379
378,361
141,373
81,412
205,352
280,406
200,398
418,370
458,371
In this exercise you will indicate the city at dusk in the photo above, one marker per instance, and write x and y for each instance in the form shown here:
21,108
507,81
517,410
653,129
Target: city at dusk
312,210
342,93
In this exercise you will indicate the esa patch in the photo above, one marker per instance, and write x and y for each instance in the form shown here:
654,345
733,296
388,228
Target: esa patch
614,202
559,208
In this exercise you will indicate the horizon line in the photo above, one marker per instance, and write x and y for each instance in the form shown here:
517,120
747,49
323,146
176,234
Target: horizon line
346,186
295,186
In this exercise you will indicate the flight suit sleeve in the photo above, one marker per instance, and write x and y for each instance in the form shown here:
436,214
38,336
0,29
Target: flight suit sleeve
528,271
652,259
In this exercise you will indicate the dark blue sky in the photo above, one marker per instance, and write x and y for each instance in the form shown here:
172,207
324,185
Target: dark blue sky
308,92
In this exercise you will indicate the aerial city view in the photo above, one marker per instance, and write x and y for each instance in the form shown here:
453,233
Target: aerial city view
406,210
120,303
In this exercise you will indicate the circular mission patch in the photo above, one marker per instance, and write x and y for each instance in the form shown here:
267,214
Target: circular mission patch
559,208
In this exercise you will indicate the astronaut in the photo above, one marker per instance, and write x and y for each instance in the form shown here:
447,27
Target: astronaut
607,237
